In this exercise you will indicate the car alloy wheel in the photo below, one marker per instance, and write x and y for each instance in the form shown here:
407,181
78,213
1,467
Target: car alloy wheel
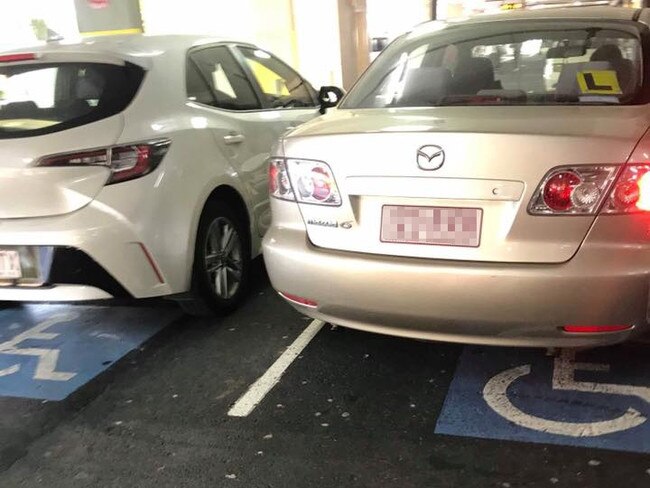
223,258
222,261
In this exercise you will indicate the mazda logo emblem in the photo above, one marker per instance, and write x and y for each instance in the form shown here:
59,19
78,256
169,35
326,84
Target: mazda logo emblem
430,158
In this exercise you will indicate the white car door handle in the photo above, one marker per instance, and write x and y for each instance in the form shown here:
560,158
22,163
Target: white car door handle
234,139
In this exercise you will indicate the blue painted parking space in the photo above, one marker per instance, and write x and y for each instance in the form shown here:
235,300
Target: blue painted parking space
598,398
48,351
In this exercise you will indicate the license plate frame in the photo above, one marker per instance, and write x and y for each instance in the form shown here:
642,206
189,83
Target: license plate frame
10,266
396,231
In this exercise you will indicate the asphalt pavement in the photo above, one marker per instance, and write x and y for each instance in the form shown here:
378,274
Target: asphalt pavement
140,395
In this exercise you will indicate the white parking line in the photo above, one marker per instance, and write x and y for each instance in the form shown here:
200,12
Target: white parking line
258,390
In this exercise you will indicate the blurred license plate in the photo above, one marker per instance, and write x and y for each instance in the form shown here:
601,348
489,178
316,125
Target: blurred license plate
442,226
10,265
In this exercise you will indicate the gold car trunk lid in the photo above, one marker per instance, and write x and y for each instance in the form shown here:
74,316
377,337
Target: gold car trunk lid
457,195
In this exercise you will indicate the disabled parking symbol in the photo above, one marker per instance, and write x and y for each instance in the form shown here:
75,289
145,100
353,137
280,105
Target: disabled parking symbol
47,352
495,395
600,400
47,358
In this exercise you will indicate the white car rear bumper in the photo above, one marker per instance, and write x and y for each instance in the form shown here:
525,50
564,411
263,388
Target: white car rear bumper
55,293
97,251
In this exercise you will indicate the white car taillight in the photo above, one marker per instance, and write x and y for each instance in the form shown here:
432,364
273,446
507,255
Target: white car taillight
303,181
572,190
279,183
125,162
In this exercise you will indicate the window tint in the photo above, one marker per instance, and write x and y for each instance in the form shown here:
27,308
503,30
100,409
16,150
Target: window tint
565,64
228,83
38,99
197,88
281,86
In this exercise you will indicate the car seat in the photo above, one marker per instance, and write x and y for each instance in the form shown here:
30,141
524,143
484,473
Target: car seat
91,86
556,52
567,85
198,89
624,67
425,87
20,110
473,75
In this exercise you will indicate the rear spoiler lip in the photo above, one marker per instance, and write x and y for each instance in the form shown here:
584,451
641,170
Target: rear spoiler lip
102,57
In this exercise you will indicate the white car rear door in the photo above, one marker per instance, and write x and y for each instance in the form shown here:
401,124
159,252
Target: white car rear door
228,102
287,96
245,120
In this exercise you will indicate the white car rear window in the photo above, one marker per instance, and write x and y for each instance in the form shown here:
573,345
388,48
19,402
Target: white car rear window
36,99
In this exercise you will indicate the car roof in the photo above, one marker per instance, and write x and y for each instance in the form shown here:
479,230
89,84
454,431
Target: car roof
569,13
564,13
135,46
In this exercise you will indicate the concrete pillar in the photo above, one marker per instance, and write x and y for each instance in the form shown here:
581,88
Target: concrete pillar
355,52
361,29
317,40
108,17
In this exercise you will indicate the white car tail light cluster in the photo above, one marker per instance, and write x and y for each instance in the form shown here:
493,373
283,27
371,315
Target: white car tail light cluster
303,181
125,162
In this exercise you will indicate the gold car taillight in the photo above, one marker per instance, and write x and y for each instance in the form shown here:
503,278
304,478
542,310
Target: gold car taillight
573,190
304,181
631,192
587,190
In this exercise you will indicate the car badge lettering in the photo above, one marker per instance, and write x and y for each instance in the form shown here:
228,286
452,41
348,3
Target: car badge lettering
430,158
330,223
323,223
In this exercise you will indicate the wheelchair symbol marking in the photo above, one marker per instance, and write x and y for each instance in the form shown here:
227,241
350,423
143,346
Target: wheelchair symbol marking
47,358
496,396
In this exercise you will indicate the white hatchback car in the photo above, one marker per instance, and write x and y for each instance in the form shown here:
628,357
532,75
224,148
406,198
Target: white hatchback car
135,166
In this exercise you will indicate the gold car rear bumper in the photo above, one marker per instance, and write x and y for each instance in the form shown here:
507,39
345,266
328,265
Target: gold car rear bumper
480,303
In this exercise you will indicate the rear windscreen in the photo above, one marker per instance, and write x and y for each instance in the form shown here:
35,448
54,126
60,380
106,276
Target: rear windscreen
39,99
566,63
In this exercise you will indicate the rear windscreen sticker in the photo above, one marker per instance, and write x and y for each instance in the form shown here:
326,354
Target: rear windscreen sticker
599,82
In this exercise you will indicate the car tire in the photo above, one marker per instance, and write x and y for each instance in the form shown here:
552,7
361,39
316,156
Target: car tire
221,269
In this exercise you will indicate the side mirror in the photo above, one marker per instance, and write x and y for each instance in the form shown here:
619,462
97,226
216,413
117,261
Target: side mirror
378,44
329,96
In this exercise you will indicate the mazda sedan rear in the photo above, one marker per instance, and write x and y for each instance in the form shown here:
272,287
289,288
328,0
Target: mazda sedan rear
460,193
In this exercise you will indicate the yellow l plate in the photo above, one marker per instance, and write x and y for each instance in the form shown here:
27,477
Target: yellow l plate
599,82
